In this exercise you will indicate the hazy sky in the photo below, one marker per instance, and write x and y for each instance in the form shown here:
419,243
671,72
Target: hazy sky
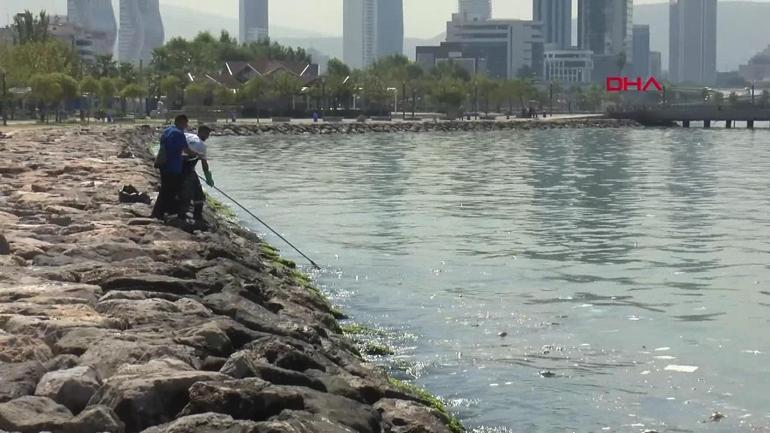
423,18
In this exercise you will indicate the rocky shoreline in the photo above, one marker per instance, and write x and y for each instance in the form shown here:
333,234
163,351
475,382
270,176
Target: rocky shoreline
113,322
235,129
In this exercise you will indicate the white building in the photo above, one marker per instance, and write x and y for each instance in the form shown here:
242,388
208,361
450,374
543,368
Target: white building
253,20
359,32
141,30
568,66
475,10
510,47
96,17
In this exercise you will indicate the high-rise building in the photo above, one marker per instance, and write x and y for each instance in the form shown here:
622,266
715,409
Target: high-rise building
359,29
141,30
254,20
693,41
641,50
510,48
556,16
656,64
475,10
96,17
606,28
390,27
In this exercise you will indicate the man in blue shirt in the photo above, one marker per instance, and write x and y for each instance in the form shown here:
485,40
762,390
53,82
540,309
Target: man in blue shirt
172,143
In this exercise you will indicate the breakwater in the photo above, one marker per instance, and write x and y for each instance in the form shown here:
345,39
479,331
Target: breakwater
113,322
235,129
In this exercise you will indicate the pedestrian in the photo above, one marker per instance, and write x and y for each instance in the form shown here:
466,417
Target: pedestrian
192,191
169,161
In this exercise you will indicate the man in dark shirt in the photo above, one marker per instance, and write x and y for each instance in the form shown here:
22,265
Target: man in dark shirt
172,143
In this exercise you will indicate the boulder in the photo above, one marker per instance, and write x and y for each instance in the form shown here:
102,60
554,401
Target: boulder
252,398
23,348
19,379
406,416
95,419
246,364
208,338
159,283
259,400
31,414
206,423
5,247
72,388
150,394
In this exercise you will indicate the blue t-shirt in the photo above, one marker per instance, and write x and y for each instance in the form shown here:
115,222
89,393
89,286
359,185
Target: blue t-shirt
175,142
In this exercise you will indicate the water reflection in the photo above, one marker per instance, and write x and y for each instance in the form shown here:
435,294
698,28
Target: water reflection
602,256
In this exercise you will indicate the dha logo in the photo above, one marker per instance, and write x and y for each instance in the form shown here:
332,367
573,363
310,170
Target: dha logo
624,84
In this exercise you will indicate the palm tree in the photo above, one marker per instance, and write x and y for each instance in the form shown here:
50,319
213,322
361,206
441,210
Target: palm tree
133,91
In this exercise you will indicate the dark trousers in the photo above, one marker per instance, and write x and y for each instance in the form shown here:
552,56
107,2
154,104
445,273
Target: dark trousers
193,192
168,201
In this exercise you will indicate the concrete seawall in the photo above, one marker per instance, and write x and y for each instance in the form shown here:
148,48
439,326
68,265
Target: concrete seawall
112,322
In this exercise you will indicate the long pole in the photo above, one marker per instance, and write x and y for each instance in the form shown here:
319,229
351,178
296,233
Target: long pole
265,224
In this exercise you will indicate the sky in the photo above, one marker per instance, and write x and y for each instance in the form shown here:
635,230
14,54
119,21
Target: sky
423,18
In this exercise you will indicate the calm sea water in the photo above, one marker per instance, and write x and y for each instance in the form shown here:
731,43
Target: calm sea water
611,258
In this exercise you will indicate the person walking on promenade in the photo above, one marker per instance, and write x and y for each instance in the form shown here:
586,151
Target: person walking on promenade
169,160
192,191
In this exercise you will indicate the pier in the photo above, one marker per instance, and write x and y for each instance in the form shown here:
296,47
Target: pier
708,115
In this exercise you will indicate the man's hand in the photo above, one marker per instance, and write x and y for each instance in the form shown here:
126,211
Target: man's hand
209,179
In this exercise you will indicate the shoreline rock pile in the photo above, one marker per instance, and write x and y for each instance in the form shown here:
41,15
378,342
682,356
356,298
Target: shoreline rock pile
112,322
234,129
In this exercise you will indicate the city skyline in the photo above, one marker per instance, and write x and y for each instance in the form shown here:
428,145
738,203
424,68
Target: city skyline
422,19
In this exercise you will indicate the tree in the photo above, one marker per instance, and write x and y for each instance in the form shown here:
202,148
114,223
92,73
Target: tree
733,98
449,94
170,87
133,92
484,88
47,91
107,91
196,93
253,91
285,85
89,88
28,28
414,83
128,73
104,66
224,96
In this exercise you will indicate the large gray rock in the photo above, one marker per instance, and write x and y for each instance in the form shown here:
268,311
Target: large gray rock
206,423
20,379
95,419
150,394
258,400
302,422
247,364
72,388
406,416
33,414
159,283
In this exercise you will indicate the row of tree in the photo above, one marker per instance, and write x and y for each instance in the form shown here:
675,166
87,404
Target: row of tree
57,78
